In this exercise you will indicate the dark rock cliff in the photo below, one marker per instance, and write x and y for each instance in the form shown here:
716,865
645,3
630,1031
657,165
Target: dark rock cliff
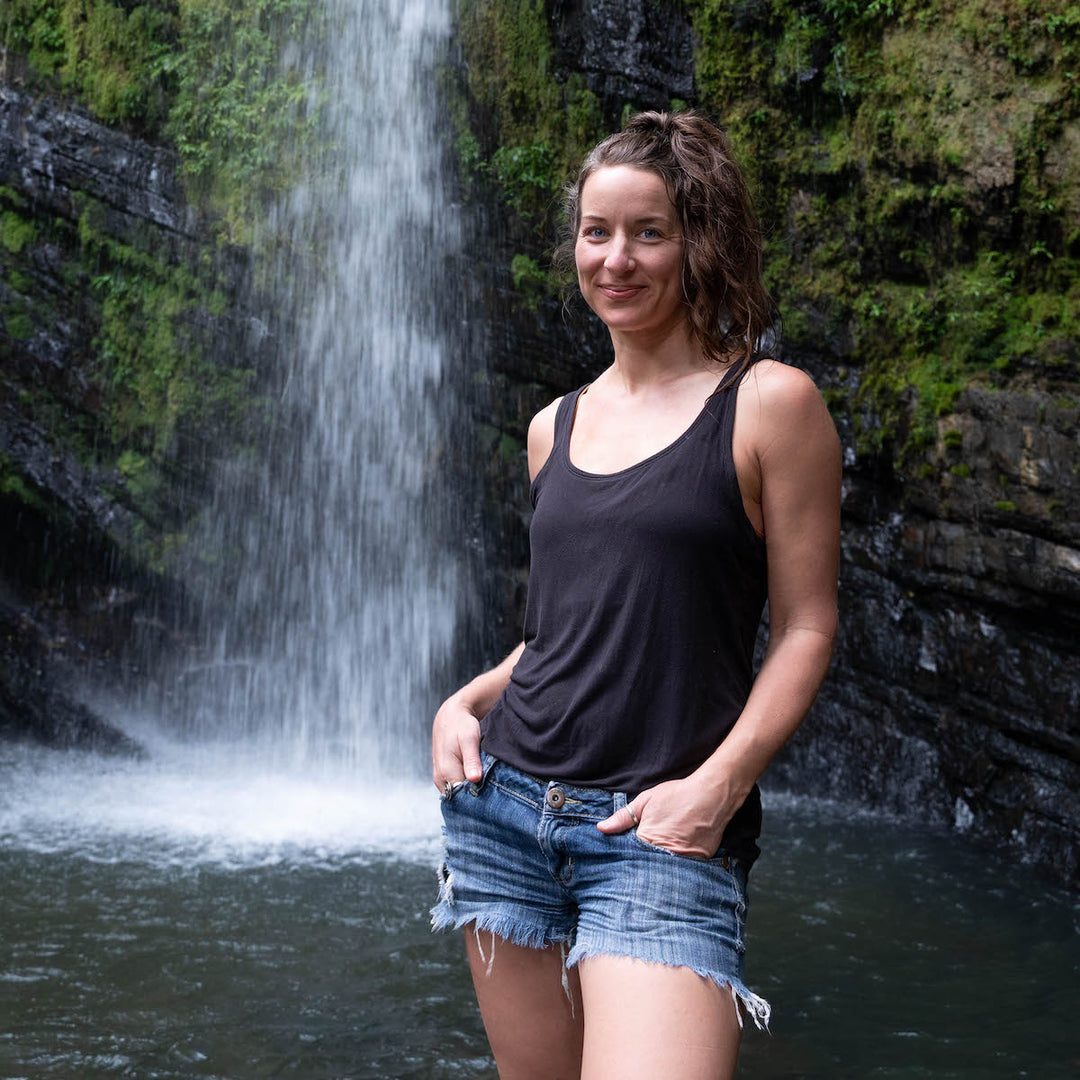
90,491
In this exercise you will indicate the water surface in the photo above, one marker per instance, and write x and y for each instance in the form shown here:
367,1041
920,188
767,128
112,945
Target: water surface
181,922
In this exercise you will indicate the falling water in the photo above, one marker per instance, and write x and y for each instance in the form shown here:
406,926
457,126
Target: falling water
323,646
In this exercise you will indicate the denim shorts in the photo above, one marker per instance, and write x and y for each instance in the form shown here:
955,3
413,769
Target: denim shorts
525,861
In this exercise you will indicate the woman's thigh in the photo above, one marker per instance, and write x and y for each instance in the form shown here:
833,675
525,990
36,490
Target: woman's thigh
644,1020
531,1007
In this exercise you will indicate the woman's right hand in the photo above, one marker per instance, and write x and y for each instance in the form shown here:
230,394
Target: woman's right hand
455,744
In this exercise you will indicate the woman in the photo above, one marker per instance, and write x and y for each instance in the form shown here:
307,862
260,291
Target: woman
599,786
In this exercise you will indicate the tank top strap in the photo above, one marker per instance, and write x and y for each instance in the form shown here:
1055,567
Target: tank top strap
564,418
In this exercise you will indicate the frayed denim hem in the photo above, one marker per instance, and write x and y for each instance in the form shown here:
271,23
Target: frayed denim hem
500,925
757,1008
508,929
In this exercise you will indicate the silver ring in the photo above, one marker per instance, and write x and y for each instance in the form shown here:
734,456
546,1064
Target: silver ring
633,816
448,790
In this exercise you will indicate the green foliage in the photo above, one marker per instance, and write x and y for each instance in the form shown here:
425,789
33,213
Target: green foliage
116,59
206,74
535,128
210,76
151,368
16,232
240,117
528,175
111,55
912,162
154,356
18,324
531,280
13,485
144,482
33,27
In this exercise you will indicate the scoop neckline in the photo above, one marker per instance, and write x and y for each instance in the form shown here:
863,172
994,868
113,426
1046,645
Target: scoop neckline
679,439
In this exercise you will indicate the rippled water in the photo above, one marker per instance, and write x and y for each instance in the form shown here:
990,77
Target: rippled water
174,921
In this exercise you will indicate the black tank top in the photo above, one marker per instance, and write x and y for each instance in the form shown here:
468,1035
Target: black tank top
646,588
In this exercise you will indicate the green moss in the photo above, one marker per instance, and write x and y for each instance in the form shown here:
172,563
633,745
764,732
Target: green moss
144,482
530,280
207,74
1005,505
962,470
117,58
12,197
885,140
19,325
528,174
240,117
153,363
517,121
13,485
33,27
112,55
19,281
16,232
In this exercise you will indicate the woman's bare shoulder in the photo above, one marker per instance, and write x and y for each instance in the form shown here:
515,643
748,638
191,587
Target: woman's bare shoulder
778,384
541,437
783,400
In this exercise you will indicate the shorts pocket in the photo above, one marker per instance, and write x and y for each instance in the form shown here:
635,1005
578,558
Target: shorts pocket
721,858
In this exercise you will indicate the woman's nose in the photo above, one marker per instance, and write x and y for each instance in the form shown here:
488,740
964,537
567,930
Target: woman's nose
619,256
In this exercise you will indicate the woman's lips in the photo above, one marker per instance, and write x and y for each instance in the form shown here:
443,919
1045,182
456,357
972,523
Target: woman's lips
620,292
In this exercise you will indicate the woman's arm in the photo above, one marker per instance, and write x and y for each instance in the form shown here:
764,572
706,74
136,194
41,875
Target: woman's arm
799,459
794,443
455,734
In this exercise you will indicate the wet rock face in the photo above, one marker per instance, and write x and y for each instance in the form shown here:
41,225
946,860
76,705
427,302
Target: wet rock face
53,155
628,50
86,207
34,704
954,695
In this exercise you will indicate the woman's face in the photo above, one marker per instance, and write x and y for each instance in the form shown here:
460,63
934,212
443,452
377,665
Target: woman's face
629,251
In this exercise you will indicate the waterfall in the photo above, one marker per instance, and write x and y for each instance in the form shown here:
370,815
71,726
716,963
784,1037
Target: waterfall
334,608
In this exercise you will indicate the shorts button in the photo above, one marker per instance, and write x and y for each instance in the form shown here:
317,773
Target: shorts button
555,797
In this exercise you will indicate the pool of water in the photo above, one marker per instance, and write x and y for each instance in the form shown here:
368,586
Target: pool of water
192,920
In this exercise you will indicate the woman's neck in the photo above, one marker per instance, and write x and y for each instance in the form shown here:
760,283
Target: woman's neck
644,360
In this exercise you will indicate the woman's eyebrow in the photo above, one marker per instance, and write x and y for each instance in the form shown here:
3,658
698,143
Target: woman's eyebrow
645,219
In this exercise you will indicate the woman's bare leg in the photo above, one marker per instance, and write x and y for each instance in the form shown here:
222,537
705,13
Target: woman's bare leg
533,1031
644,1021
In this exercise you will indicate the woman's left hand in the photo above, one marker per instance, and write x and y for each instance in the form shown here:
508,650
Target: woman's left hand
683,816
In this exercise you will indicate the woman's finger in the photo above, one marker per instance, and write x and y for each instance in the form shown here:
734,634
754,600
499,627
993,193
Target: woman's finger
621,821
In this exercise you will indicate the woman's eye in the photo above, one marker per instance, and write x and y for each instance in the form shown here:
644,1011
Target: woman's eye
650,234
594,231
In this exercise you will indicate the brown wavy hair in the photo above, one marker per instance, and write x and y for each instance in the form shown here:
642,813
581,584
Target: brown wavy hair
729,308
